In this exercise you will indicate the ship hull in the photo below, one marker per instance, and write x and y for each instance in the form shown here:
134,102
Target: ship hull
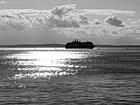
79,45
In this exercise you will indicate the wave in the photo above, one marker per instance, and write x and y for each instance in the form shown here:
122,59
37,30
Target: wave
106,70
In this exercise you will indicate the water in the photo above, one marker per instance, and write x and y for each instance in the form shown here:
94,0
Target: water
56,76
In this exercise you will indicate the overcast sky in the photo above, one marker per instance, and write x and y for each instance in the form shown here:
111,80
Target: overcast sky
60,21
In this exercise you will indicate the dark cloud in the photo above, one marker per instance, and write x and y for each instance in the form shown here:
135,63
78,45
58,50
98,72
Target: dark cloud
97,23
83,19
115,32
115,21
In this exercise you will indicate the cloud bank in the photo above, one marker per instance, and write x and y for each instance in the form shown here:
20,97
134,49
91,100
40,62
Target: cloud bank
67,20
59,17
66,16
105,12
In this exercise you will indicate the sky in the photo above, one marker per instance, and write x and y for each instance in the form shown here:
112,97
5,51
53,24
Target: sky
114,22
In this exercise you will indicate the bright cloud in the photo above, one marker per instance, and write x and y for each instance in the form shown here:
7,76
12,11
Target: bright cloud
63,10
105,12
2,2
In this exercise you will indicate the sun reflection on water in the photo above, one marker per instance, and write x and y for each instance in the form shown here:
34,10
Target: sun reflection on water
45,64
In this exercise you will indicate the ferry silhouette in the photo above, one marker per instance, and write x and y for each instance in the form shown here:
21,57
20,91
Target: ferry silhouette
76,44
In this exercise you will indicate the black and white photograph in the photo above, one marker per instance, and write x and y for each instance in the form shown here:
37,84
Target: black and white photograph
69,52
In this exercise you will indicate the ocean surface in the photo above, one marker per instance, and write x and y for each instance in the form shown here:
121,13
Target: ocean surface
59,76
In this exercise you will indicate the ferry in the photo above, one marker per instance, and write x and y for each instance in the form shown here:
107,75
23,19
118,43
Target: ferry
76,44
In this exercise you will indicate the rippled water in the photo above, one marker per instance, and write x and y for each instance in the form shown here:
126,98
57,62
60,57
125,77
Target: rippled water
56,76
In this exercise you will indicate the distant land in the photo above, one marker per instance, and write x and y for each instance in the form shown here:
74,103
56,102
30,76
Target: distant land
35,45
63,45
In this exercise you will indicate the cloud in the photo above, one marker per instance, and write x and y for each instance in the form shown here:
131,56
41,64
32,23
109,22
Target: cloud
63,10
96,21
133,30
137,38
66,20
2,2
59,17
66,16
62,22
83,19
115,21
115,32
134,21
13,22
105,12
